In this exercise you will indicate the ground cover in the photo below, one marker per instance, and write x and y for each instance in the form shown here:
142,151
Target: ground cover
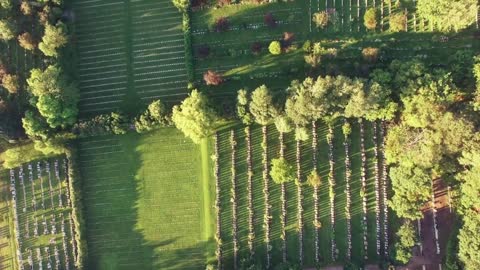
144,201
129,53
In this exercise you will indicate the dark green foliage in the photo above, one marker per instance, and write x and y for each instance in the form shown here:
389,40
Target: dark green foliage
406,240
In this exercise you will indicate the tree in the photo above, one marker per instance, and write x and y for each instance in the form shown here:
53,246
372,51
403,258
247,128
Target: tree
412,188
7,30
194,117
35,126
55,37
397,22
10,82
301,134
55,98
26,41
212,78
314,55
406,241
275,48
261,106
320,19
370,19
283,125
281,171
155,115
182,5
6,4
448,15
243,112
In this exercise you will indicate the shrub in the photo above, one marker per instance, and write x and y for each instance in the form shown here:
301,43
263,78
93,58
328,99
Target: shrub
256,47
26,41
288,38
275,48
221,24
182,5
6,4
370,54
320,19
156,115
270,20
7,30
314,179
282,171
54,38
212,78
10,83
3,71
103,124
397,22
370,19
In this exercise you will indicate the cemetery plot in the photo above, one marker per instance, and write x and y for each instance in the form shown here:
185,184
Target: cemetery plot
128,51
158,54
342,220
42,215
144,202
102,54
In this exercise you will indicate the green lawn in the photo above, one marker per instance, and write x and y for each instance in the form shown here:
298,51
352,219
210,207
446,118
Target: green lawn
308,206
129,53
147,201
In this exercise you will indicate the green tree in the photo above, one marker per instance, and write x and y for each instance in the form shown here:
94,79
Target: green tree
406,241
448,15
10,82
397,22
320,19
283,124
243,111
55,98
370,19
262,107
314,179
281,171
7,30
275,48
55,37
194,117
182,5
6,4
412,189
155,115
35,126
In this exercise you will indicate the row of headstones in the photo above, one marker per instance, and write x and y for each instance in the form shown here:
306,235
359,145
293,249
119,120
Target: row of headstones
45,225
21,175
348,175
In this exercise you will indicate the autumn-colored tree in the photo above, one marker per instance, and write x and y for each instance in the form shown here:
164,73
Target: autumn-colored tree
212,78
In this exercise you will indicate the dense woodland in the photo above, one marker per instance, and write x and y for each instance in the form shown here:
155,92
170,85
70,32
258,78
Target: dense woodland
432,112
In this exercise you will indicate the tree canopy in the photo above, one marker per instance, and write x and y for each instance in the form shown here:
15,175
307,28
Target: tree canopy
194,117
281,171
262,107
7,30
448,15
55,98
55,37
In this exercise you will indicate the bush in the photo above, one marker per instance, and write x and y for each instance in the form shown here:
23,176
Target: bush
26,41
156,115
55,37
320,19
281,171
103,124
221,25
26,8
397,22
182,5
275,48
270,20
370,19
6,4
10,83
370,54
212,78
187,35
7,30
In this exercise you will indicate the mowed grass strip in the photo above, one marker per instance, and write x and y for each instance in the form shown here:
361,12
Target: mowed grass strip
143,198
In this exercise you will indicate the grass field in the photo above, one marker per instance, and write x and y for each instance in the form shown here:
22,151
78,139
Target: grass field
325,232
45,228
147,201
129,53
